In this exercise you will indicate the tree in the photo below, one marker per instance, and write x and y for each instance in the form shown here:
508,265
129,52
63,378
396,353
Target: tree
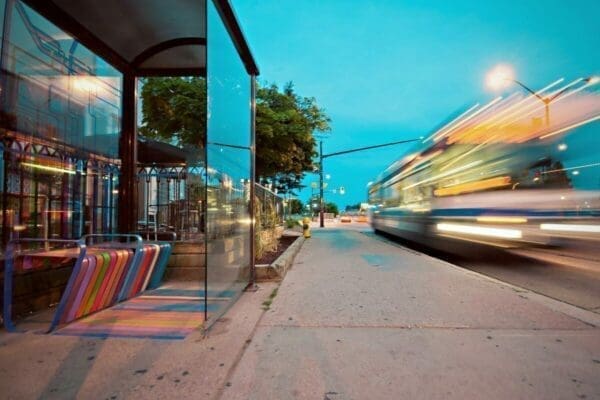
286,183
174,110
296,206
285,146
331,208
353,207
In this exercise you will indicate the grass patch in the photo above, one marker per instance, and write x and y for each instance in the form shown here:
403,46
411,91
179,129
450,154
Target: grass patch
267,303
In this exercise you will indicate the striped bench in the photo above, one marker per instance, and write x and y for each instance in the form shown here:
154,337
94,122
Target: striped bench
107,269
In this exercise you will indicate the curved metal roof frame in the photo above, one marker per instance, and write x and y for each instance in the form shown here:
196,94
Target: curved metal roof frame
158,37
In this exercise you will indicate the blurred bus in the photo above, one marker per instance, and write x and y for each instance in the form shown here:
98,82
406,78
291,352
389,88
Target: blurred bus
501,174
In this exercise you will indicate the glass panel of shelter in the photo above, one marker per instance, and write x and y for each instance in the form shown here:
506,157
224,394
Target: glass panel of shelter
171,200
61,112
228,260
61,124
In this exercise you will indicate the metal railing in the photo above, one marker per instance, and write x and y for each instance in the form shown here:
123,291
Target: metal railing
269,207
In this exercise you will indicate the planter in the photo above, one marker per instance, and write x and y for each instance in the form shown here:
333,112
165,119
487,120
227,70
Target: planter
277,269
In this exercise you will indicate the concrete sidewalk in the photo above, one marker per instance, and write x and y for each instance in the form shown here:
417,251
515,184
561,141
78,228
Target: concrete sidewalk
358,317
40,366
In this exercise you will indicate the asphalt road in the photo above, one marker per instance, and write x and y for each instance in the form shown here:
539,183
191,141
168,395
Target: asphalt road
570,274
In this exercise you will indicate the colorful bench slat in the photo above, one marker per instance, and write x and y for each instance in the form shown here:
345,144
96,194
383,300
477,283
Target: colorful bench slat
145,269
161,266
103,275
101,268
81,288
111,276
111,297
105,283
73,293
97,292
129,275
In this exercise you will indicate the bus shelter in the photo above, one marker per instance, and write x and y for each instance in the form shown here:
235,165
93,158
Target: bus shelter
72,161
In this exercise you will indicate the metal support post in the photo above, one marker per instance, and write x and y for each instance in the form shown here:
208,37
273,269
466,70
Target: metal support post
321,215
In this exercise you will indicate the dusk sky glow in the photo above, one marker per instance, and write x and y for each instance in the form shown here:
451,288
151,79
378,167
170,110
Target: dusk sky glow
389,70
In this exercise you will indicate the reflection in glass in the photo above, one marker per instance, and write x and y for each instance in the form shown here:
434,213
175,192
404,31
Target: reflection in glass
60,131
228,168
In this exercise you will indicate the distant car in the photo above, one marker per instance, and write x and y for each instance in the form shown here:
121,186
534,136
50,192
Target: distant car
345,218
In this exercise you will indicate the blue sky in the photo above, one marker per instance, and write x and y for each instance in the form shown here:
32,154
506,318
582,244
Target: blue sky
388,70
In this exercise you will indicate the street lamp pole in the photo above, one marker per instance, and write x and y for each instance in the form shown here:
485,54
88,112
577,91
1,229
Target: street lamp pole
503,73
549,99
321,214
338,153
545,100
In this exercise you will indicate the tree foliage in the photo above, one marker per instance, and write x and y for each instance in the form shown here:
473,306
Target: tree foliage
296,206
174,110
353,207
285,145
331,208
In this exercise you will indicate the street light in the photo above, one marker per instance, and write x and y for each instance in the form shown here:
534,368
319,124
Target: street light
499,77
339,153
502,75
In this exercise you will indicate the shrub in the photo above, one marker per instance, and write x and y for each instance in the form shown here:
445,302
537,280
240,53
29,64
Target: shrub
291,222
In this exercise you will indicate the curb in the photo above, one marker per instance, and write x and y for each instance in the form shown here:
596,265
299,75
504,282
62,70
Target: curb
277,269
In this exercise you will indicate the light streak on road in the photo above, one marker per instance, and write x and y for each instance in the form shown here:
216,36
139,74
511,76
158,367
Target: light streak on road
573,126
488,105
447,126
570,168
571,228
452,171
481,231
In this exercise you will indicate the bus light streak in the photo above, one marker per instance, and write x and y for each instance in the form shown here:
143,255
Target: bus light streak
481,231
488,105
464,167
502,220
508,113
449,124
571,168
491,183
571,228
597,117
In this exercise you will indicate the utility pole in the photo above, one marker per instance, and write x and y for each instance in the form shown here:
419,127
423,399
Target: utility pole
338,153
321,214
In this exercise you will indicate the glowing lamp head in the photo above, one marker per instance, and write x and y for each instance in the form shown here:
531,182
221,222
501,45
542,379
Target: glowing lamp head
593,80
499,77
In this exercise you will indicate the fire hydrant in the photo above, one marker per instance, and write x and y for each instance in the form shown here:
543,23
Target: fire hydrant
306,227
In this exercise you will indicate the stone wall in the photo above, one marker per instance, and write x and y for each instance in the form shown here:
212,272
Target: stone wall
187,262
36,290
